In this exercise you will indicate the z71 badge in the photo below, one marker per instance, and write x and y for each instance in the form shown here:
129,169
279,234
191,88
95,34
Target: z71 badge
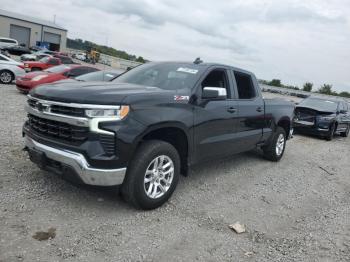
181,98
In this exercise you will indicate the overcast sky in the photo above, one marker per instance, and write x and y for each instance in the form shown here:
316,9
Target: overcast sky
293,40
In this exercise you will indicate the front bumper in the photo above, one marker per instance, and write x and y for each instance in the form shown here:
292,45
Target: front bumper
63,161
24,86
314,128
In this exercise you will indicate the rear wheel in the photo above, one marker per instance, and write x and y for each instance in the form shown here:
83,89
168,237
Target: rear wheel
346,133
152,175
275,150
6,77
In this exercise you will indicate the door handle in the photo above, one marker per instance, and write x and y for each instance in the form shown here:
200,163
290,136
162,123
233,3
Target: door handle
232,110
259,109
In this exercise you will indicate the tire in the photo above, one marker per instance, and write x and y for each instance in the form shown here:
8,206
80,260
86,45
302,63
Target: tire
275,150
6,77
35,69
346,133
330,136
142,168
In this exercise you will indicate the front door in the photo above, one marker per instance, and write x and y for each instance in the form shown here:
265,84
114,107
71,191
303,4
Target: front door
214,119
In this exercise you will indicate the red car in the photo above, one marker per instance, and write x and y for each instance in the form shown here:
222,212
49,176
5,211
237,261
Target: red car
33,79
45,63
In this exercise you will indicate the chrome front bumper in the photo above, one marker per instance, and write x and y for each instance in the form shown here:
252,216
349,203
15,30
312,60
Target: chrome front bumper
88,174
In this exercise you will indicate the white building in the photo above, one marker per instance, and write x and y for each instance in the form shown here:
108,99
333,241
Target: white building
31,31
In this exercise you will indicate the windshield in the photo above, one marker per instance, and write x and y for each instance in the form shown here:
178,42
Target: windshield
98,76
57,69
326,105
45,59
169,76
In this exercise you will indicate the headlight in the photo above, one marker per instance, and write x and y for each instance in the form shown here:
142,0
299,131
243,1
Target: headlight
39,77
118,114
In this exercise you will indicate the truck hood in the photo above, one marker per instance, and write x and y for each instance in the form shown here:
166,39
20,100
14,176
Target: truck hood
93,93
316,109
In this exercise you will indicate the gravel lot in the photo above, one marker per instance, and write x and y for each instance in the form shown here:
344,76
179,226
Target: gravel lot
294,210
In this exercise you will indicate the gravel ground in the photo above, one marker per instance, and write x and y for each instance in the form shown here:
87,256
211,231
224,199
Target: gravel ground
294,210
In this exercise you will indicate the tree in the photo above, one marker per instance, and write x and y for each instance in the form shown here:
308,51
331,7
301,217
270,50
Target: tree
326,89
140,59
344,94
308,86
275,82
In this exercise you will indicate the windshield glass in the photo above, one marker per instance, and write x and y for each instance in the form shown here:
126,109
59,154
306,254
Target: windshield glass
326,105
44,59
169,76
98,76
57,69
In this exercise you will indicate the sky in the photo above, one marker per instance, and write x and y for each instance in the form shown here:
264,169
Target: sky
292,40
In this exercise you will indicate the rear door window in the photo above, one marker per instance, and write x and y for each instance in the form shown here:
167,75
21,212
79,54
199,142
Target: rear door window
54,61
245,86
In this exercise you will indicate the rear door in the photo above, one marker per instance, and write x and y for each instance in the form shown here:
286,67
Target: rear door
214,119
251,111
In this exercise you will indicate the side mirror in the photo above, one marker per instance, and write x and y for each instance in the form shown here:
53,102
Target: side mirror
214,93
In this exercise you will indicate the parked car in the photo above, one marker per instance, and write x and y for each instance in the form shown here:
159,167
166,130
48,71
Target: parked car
323,117
46,62
150,124
36,56
17,50
30,80
64,59
80,56
7,60
9,72
5,42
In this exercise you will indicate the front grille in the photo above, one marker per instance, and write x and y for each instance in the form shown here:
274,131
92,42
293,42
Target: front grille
61,110
305,115
66,110
58,130
108,143
31,103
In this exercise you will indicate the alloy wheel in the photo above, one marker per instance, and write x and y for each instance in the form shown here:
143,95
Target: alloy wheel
159,176
280,144
5,77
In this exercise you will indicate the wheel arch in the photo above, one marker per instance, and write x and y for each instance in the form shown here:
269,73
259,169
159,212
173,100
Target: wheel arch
175,134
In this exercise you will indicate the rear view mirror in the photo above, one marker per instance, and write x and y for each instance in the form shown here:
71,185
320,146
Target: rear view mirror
214,93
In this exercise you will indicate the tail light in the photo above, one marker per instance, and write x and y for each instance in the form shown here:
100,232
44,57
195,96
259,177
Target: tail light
21,66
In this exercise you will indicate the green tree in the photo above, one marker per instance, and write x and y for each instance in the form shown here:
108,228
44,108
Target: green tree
344,94
308,86
275,82
326,89
140,59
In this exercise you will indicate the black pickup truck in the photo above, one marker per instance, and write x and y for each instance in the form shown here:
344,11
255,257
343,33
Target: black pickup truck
150,124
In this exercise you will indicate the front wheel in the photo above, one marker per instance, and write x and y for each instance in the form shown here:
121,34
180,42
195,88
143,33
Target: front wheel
6,77
152,175
346,133
275,149
331,133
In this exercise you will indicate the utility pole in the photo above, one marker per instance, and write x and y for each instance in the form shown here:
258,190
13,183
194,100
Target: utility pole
54,19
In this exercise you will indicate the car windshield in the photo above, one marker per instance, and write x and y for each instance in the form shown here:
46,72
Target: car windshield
324,104
98,76
57,69
169,76
44,59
